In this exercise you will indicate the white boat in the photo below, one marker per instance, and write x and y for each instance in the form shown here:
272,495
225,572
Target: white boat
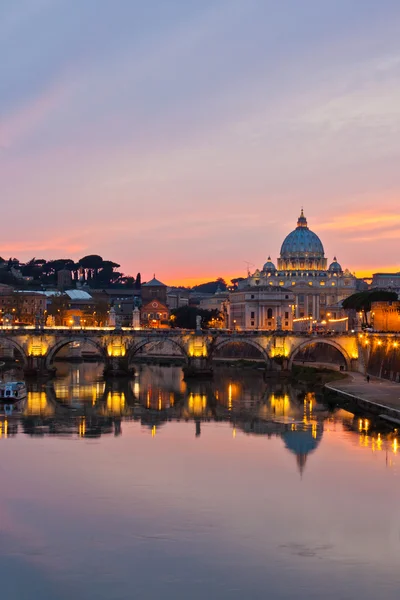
12,391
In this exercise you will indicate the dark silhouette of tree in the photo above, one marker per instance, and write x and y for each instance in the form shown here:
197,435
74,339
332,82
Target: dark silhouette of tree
211,286
361,301
138,282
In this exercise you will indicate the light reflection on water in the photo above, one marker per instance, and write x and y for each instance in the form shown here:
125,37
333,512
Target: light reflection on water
234,488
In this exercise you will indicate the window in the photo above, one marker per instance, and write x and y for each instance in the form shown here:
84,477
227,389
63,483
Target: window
301,297
252,315
252,296
252,323
269,313
286,324
286,315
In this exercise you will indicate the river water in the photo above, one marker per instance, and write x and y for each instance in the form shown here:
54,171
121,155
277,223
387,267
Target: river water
231,489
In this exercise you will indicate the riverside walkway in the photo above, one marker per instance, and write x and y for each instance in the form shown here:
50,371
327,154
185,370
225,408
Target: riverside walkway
378,396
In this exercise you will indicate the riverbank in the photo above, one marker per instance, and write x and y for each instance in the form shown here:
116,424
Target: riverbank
315,375
379,397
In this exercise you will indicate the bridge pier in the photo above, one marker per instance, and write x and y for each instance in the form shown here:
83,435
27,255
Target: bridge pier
198,366
36,367
117,366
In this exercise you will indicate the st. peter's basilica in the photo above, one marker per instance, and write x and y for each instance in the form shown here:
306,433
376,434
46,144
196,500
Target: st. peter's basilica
302,286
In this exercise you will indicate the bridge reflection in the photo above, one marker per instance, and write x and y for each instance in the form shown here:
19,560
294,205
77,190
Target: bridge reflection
80,405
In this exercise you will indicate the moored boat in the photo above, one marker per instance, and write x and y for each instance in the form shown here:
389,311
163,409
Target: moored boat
12,391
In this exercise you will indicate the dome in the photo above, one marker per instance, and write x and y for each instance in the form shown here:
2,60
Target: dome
302,241
335,266
302,250
269,266
303,441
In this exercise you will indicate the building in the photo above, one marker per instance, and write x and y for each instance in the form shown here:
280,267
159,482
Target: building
261,307
23,307
386,281
385,316
177,297
318,289
154,314
154,290
64,279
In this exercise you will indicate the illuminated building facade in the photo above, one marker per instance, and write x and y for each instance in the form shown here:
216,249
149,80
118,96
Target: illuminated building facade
316,288
154,314
265,307
385,316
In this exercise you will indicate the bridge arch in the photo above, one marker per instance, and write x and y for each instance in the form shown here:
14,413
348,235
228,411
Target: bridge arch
219,344
51,353
17,347
312,341
136,347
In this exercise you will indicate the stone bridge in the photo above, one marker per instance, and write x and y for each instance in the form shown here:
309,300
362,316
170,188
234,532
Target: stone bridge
117,347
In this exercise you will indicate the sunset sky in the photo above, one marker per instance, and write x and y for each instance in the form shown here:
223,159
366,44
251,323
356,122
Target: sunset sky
182,137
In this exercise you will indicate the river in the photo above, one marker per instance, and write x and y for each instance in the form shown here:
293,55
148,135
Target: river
230,489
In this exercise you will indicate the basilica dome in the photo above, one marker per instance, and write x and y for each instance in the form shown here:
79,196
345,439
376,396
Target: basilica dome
269,266
335,267
302,249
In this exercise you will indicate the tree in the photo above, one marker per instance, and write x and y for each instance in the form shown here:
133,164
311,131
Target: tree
185,317
58,307
91,265
211,286
361,301
235,281
138,282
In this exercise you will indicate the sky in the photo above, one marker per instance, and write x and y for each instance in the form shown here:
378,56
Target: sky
182,138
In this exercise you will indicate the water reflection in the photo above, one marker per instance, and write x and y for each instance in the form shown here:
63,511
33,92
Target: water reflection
78,403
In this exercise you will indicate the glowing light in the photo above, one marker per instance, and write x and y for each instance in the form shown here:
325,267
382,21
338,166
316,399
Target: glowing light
82,427
395,445
197,403
234,432
116,349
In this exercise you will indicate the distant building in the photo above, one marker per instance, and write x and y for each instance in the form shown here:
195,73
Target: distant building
154,314
263,307
177,297
64,279
385,316
154,290
25,307
215,302
302,268
386,281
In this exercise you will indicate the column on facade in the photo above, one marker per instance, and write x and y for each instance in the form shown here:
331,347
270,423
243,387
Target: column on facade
314,306
318,317
297,309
